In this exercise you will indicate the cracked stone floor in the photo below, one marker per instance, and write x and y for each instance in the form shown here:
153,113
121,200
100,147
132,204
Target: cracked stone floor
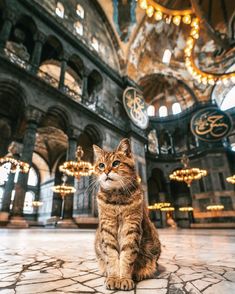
63,261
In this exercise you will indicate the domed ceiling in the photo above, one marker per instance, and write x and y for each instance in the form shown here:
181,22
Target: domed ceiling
135,41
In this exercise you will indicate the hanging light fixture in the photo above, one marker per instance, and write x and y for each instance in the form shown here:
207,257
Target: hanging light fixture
186,208
215,207
64,189
159,205
187,174
231,179
77,168
16,164
37,203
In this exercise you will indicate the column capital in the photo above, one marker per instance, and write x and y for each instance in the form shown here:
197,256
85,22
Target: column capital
86,71
73,133
10,14
40,37
33,114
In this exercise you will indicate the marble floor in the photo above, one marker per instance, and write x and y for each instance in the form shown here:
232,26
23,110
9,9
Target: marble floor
63,261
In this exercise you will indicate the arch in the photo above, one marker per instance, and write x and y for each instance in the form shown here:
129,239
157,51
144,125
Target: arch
95,82
21,40
57,117
13,104
156,185
176,108
52,49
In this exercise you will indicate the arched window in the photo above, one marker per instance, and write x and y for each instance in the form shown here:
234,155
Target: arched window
78,28
4,173
163,111
28,202
59,10
176,108
32,178
151,110
229,100
80,11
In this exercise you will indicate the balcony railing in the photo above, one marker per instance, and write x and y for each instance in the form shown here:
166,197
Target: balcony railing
52,81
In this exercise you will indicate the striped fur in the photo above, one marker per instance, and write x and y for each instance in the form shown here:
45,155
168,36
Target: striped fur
127,245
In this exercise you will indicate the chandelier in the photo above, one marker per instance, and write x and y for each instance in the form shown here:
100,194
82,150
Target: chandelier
159,205
215,207
231,179
64,189
16,164
186,209
187,174
77,168
187,16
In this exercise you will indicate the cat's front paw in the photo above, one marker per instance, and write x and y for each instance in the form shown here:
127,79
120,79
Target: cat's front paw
112,283
126,284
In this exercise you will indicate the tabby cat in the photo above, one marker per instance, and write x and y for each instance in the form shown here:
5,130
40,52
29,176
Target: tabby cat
127,245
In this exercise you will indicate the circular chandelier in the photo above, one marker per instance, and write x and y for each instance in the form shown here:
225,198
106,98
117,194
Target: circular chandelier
186,209
187,16
159,205
64,189
77,168
187,174
170,208
215,207
231,179
16,164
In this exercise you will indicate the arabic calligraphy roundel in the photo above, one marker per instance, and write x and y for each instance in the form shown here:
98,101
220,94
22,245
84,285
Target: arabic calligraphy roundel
135,107
211,124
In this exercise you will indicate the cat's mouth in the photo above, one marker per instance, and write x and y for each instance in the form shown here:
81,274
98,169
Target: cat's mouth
108,179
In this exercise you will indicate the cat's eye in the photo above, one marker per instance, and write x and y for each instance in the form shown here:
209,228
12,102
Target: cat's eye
116,163
101,165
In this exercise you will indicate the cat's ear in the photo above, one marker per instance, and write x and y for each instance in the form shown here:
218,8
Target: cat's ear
98,152
124,147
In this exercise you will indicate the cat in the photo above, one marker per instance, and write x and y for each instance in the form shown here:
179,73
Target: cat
126,244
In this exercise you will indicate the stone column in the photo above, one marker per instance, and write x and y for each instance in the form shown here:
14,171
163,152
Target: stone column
172,143
9,20
85,85
63,67
39,39
67,217
33,116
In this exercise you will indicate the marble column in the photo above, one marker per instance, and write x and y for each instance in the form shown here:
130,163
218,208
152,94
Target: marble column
67,217
33,116
39,39
85,85
172,143
63,67
9,20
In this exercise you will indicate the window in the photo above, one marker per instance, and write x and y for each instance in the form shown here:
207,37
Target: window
78,28
95,44
28,202
59,10
229,100
4,173
151,110
80,11
176,108
226,201
33,177
201,185
163,111
166,56
221,179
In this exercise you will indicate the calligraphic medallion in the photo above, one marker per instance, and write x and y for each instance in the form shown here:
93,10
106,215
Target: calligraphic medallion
211,124
135,107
